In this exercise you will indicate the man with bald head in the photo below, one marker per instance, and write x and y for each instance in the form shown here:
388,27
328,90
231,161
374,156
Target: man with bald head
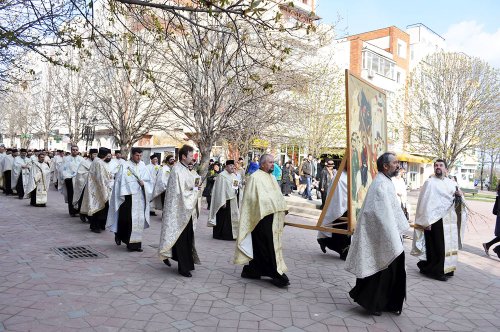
262,219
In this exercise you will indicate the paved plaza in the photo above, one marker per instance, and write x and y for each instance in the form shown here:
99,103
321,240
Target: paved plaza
41,291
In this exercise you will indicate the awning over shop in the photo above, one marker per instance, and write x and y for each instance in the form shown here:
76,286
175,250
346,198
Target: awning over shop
413,159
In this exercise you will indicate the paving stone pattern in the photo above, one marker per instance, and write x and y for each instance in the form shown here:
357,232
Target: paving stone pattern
40,291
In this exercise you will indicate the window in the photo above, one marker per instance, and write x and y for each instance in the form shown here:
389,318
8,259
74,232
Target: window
412,52
378,64
398,77
401,49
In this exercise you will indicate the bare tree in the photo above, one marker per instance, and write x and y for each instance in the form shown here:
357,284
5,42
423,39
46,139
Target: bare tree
125,97
46,27
448,95
211,83
72,94
317,112
16,107
46,111
488,146
37,26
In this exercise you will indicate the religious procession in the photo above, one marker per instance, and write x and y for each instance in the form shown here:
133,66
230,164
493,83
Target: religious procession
228,165
247,206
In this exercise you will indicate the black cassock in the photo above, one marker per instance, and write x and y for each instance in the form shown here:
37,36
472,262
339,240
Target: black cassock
383,291
7,183
182,251
98,220
263,263
125,224
19,186
69,190
223,229
33,199
434,250
338,242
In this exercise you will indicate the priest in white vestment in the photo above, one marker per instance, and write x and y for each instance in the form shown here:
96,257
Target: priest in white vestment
7,163
439,229
20,173
180,215
224,211
128,213
38,182
95,202
154,171
56,169
260,229
69,170
376,255
337,209
116,162
160,186
80,183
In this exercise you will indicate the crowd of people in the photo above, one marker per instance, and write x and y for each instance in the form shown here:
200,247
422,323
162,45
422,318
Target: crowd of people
247,205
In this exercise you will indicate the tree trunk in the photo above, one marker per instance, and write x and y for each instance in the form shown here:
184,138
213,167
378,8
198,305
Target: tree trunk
491,174
205,150
482,169
125,149
46,142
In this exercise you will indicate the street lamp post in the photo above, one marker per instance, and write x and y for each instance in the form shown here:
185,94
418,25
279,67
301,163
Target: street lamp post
88,130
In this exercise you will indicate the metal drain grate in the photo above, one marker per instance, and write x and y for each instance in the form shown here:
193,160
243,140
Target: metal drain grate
80,252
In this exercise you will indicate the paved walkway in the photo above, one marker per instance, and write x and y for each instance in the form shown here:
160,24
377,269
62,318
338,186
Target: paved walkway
40,291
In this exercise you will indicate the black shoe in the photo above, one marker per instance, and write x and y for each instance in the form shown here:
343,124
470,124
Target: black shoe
375,313
185,274
496,250
152,213
117,240
72,214
322,246
440,277
95,230
248,275
280,282
82,218
486,249
450,274
138,250
167,262
397,312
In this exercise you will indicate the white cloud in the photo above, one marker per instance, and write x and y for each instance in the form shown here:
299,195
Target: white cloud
469,37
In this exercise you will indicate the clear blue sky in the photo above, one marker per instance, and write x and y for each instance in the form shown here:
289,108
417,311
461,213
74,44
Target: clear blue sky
366,15
470,26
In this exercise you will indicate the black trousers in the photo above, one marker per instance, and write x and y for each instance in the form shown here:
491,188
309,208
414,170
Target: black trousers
383,291
125,224
7,182
98,220
264,258
162,200
80,200
223,229
434,247
182,251
69,190
20,187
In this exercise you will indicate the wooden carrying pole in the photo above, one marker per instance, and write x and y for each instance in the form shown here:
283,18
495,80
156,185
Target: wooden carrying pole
318,226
